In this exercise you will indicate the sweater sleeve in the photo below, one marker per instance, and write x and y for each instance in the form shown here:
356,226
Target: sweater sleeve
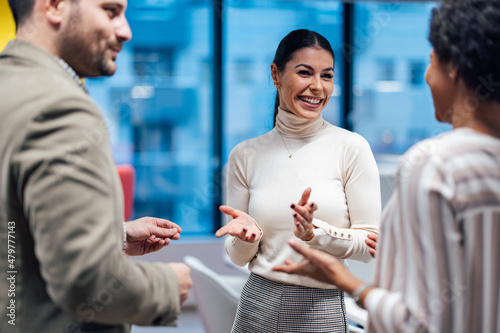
362,190
68,185
238,196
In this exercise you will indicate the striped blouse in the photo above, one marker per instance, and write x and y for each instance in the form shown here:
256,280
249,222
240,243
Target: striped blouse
438,258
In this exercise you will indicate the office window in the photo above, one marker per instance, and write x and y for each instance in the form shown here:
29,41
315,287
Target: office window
417,72
160,103
386,70
393,107
159,107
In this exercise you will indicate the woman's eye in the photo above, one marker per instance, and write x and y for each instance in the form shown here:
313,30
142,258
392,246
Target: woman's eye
328,76
303,72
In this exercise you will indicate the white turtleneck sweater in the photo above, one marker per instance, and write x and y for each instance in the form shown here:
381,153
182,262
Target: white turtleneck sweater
263,181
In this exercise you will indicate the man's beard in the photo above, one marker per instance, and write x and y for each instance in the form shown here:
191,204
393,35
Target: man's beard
85,52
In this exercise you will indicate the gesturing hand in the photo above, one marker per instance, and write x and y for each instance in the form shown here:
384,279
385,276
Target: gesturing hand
149,234
241,226
183,273
303,216
318,265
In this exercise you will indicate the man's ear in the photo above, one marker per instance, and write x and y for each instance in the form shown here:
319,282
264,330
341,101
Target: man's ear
54,10
275,75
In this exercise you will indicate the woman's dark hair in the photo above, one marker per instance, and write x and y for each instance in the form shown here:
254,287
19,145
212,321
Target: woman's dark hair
294,41
467,34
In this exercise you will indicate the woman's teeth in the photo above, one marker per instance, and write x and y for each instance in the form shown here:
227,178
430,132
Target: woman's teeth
310,100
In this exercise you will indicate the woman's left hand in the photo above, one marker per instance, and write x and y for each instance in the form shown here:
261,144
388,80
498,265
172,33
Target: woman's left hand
371,241
303,216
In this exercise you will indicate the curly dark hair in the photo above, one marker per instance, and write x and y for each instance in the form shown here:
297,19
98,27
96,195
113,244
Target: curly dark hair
467,34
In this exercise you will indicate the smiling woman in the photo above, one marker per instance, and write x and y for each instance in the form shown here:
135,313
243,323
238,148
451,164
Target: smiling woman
292,69
305,87
303,157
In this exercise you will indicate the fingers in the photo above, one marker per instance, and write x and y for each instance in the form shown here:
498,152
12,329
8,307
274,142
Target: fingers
239,231
305,196
232,229
251,238
302,210
245,235
229,211
299,227
242,234
162,223
222,231
371,241
303,225
302,249
371,244
288,267
163,232
312,207
303,207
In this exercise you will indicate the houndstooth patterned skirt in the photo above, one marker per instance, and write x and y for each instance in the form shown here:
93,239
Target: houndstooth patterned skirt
271,307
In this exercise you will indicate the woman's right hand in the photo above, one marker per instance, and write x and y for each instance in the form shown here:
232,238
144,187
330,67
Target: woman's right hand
241,226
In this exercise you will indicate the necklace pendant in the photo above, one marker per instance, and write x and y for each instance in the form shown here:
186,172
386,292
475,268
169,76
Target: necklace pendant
290,156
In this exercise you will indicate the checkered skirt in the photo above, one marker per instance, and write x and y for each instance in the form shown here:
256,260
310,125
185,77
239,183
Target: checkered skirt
271,307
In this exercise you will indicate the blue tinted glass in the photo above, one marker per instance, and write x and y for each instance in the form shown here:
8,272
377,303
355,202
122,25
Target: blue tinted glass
393,106
159,107
160,102
252,32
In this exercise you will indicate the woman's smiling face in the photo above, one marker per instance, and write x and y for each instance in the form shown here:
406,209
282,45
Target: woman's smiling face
306,83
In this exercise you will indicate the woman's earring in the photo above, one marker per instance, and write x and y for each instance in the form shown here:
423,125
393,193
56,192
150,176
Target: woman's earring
450,74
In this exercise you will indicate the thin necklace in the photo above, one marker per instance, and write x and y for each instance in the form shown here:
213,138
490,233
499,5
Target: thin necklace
288,150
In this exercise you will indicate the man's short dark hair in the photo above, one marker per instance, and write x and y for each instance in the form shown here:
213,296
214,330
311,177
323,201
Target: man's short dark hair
21,9
467,34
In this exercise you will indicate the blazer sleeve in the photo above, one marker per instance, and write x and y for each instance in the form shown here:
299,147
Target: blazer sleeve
68,185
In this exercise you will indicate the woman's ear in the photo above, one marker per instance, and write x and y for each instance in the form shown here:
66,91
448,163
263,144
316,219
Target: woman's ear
275,75
453,73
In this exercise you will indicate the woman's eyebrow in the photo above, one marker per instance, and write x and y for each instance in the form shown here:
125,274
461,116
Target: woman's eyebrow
309,67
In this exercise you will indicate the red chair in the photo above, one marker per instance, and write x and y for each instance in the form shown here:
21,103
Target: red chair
127,176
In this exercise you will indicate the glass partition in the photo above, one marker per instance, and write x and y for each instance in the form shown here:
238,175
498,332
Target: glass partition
159,107
160,103
393,106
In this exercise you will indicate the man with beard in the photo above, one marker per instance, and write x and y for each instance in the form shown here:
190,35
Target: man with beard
61,204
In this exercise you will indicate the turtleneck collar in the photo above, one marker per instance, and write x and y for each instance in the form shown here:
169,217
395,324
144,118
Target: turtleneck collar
290,125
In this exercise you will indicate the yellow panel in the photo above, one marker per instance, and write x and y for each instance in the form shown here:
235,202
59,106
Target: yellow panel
7,25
